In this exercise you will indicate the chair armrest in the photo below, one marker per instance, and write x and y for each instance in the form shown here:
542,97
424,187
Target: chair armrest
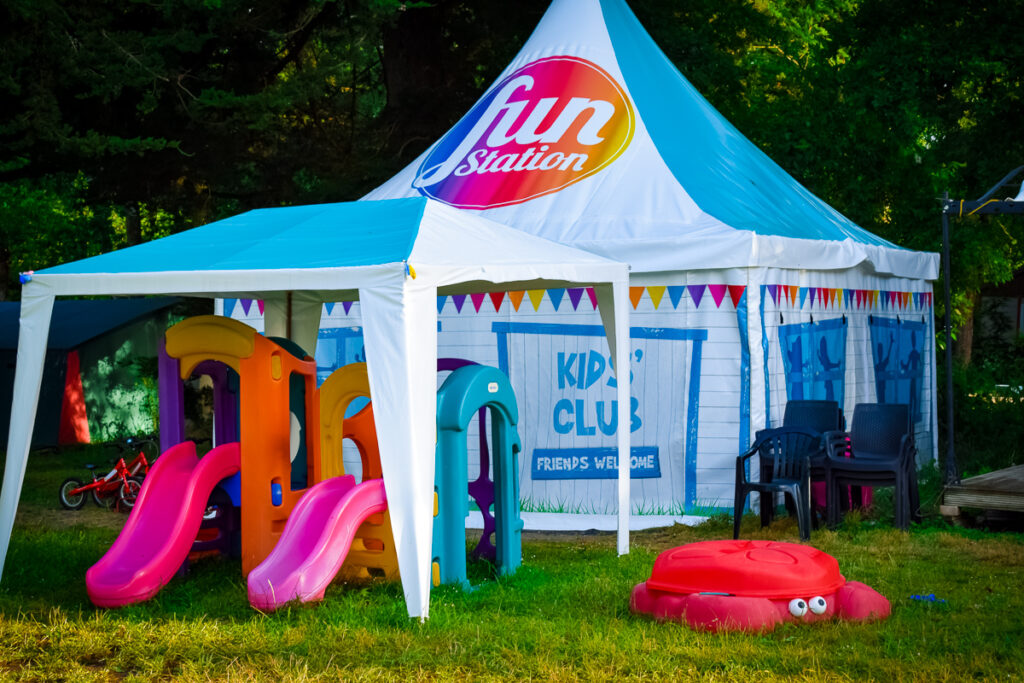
837,444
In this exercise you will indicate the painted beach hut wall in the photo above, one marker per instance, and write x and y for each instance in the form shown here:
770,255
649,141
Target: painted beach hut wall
747,290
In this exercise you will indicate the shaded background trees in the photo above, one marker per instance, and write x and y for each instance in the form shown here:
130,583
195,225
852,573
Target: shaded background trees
121,122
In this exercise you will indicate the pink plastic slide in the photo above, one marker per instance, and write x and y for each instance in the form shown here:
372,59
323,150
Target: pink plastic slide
159,532
315,542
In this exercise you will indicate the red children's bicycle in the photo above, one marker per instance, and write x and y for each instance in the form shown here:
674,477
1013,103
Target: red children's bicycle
121,485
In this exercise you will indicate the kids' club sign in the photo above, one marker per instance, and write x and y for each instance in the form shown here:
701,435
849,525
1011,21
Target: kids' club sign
548,125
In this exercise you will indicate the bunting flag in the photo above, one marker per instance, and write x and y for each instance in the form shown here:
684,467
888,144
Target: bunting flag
229,306
675,293
635,293
329,306
556,295
656,293
736,293
795,295
575,294
696,294
246,305
259,304
717,293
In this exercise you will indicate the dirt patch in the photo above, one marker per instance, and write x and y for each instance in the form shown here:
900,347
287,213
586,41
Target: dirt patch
59,518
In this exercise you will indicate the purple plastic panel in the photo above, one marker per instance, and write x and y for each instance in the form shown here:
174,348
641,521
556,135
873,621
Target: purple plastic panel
172,400
225,406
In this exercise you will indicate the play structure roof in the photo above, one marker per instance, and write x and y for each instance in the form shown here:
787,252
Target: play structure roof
667,183
76,322
395,256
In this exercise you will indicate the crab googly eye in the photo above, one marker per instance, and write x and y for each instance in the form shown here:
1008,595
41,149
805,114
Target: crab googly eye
817,604
798,607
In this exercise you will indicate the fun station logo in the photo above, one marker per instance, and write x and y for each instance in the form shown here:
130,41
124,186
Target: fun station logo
548,125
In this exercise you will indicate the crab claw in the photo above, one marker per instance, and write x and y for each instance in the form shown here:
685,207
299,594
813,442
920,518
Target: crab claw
707,612
856,601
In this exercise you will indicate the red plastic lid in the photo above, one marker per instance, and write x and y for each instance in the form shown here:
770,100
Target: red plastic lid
764,569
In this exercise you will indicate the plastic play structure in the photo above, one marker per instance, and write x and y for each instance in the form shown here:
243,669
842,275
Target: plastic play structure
337,523
272,382
303,520
752,586
468,390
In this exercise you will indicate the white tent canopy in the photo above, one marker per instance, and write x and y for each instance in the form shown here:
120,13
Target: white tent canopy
396,256
591,137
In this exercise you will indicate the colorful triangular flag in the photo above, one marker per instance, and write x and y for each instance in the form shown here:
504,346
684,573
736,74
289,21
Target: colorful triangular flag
496,299
656,293
516,297
717,293
635,294
675,293
556,295
575,294
536,296
696,293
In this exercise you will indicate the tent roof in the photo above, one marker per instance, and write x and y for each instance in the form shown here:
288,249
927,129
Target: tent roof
322,235
683,188
78,321
328,248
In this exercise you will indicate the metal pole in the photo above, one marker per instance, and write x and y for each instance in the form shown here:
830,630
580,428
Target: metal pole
951,474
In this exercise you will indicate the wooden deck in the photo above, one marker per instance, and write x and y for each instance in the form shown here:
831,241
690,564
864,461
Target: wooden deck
1001,490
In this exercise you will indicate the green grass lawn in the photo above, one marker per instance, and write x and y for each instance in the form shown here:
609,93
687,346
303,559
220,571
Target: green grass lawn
563,616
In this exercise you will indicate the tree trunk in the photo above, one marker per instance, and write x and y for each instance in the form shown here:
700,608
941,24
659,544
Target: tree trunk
964,344
132,223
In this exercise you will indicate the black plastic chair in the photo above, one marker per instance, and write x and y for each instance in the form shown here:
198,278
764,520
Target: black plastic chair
818,415
788,449
877,451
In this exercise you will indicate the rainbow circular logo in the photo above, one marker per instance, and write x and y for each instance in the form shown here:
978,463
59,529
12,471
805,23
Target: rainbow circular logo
546,126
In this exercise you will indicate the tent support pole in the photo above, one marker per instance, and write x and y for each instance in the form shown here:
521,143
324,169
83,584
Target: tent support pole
33,332
951,474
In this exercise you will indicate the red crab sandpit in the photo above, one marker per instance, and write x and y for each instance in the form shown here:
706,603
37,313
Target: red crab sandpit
752,586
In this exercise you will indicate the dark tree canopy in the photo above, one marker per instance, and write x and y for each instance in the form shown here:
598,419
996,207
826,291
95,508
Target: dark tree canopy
124,121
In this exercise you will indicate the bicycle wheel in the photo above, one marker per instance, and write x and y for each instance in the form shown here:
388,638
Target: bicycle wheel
129,492
105,499
69,501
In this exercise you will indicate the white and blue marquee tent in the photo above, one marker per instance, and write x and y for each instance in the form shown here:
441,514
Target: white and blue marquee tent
747,290
394,256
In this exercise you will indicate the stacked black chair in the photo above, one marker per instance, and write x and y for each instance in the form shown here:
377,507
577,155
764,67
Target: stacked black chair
788,450
818,415
877,451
